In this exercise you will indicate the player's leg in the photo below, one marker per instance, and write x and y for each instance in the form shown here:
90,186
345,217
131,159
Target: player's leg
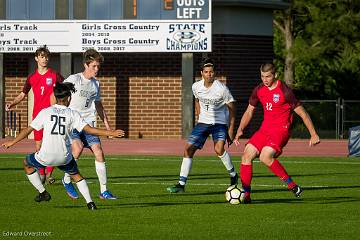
219,135
185,169
94,143
37,139
195,141
277,139
30,166
246,169
267,157
100,167
76,149
72,169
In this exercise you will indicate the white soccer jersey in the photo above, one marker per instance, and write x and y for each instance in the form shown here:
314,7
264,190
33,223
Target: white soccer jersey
87,91
58,121
213,102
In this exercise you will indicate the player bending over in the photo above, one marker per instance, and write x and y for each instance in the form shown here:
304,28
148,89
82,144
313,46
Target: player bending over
278,102
57,122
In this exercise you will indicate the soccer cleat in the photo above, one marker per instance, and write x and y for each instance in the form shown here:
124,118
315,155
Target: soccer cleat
70,190
176,188
107,195
91,206
44,196
246,200
234,179
50,180
297,190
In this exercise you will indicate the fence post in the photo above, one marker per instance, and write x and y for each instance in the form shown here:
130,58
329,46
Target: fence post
342,107
338,102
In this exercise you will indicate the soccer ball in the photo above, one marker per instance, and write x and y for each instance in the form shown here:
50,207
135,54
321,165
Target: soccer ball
234,194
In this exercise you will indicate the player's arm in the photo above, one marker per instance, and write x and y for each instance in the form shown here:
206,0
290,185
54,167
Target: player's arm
245,119
314,139
23,134
52,99
231,107
197,107
16,100
102,132
102,114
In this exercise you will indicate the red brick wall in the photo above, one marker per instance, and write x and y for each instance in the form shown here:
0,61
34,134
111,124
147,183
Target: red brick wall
141,92
15,74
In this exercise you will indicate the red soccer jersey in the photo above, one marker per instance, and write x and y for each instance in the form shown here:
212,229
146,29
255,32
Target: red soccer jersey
42,86
277,103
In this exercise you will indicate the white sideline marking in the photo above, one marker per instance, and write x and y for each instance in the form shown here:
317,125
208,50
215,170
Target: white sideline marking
200,160
204,184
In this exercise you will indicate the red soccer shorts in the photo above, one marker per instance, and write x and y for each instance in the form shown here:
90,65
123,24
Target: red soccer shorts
275,138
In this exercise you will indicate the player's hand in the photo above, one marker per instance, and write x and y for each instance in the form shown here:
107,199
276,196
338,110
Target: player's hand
237,137
229,140
314,140
8,107
7,144
118,133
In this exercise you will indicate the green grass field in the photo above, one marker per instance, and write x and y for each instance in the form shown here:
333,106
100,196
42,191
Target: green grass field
328,209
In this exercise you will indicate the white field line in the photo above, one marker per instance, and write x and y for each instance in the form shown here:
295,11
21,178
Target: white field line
172,182
201,160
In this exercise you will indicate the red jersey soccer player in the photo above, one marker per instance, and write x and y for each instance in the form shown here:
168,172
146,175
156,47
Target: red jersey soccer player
42,82
278,102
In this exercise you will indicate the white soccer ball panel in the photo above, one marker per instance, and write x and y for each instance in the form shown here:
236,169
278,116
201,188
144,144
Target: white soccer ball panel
234,195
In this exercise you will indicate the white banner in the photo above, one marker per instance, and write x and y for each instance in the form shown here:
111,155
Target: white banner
105,36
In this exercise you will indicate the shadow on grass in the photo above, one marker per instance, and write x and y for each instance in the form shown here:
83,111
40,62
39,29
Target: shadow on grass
165,177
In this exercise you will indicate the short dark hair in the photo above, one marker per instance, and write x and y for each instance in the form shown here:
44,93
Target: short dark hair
63,90
207,62
43,50
91,55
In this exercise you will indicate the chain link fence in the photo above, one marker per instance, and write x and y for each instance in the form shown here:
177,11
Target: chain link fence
332,118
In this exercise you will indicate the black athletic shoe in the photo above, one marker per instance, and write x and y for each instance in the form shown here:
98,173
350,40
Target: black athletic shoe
234,179
44,196
297,190
176,188
247,200
91,206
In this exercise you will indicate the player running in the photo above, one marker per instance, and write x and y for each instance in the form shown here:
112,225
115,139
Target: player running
58,122
42,82
87,101
278,102
215,106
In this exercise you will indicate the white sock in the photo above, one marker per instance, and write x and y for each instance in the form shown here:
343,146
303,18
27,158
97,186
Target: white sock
67,177
101,172
84,190
185,170
35,180
225,158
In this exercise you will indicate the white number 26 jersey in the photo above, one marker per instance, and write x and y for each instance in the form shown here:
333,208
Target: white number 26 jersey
58,121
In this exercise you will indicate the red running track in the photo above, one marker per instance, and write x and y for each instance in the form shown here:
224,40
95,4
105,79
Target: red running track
327,148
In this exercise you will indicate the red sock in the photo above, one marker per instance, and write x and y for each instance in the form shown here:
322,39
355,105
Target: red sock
49,170
246,176
280,171
41,171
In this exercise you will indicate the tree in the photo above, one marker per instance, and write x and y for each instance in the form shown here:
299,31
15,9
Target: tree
323,54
